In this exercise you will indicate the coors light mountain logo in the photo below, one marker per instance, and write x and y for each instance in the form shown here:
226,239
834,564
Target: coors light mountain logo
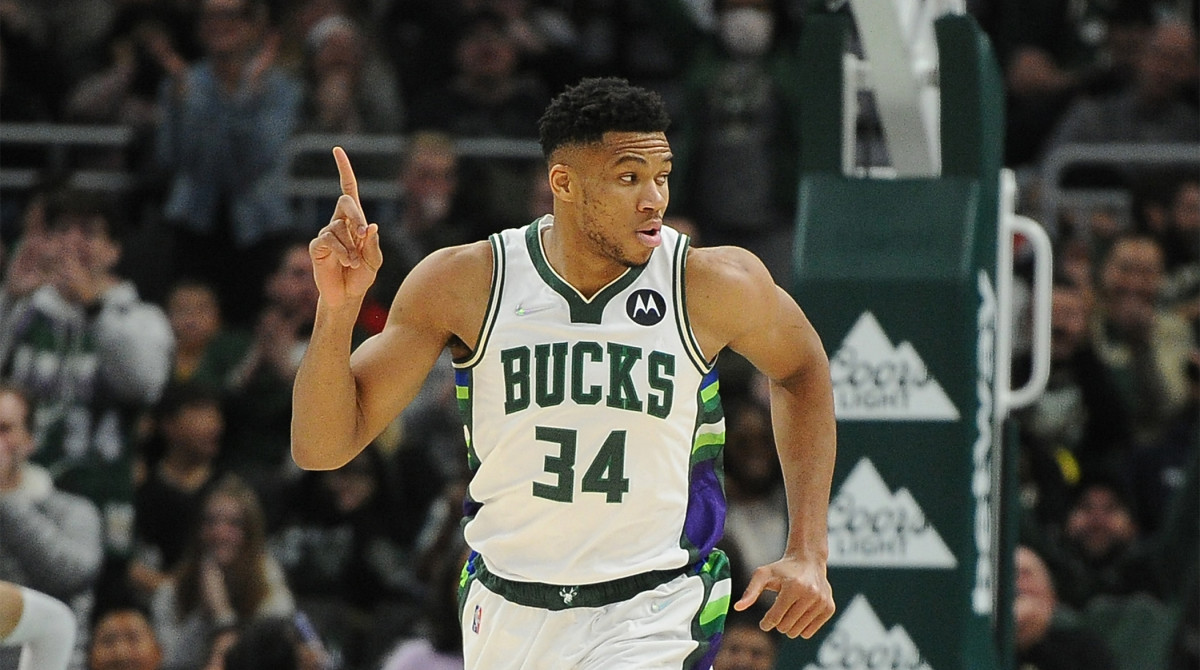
859,642
869,526
874,380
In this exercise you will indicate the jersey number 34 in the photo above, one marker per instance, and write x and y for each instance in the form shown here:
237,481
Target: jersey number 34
605,474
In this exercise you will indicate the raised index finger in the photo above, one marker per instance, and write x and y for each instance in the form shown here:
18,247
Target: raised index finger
346,174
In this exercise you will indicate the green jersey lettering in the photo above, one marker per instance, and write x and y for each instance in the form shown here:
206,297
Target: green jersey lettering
622,393
662,372
593,351
550,387
516,378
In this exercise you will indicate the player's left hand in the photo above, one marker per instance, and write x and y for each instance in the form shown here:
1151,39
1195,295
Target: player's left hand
804,601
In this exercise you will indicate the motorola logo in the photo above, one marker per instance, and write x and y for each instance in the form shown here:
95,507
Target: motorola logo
646,307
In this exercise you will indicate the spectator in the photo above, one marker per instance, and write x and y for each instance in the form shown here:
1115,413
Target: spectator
29,258
222,641
147,42
349,88
490,95
1105,550
744,645
756,517
430,474
432,214
438,646
1160,471
1053,52
1078,422
123,639
742,115
40,628
1181,244
167,504
259,388
222,137
1046,638
93,356
276,643
341,555
226,578
76,29
1150,108
1144,346
205,350
49,540
545,37
648,42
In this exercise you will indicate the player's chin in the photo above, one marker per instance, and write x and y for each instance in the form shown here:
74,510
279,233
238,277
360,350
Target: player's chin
639,253
639,259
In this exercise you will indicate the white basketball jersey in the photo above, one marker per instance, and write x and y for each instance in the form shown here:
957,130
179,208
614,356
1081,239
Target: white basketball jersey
594,429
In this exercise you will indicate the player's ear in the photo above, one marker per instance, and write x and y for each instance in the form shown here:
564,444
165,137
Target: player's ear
562,182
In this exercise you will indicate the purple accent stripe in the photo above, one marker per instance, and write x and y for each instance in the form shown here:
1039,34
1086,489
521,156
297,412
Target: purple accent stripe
705,519
714,646
470,507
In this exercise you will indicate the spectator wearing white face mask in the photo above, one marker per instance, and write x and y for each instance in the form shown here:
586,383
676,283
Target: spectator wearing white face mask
742,116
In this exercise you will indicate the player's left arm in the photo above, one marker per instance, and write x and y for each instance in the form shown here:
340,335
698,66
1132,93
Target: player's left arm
770,330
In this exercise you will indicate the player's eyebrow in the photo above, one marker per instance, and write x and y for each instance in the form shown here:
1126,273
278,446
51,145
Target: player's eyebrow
637,158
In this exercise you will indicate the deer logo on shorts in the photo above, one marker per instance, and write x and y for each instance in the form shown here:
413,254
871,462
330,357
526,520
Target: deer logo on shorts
567,593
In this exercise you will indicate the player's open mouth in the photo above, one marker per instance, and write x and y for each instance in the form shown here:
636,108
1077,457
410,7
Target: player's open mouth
650,235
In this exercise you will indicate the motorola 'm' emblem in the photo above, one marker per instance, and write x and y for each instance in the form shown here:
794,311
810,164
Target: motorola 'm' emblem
646,307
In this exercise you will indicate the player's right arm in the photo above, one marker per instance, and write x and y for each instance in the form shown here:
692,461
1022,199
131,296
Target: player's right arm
342,401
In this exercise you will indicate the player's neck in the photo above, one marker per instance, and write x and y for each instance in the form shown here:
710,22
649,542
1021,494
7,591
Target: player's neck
569,253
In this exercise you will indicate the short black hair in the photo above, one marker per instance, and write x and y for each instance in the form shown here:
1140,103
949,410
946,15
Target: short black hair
1106,479
584,112
68,204
114,604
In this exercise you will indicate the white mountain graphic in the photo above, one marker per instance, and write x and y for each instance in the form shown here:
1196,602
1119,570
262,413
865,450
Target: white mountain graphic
874,380
859,642
869,526
642,306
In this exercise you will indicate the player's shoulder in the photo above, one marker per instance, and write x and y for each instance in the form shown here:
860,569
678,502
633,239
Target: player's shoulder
726,266
717,277
448,290
455,265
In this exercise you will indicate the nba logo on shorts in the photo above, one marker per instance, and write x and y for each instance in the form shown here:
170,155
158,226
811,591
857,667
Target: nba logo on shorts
478,617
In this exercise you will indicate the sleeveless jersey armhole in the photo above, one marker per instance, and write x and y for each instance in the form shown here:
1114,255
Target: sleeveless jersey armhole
679,271
493,306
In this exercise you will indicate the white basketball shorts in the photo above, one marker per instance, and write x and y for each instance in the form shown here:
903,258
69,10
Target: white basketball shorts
655,621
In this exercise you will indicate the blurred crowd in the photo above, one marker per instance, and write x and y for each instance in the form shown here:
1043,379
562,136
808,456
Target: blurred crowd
149,336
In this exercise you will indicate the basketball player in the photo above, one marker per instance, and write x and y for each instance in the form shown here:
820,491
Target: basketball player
43,626
584,348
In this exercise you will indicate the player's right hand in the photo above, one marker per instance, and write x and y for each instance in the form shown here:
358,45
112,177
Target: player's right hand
345,253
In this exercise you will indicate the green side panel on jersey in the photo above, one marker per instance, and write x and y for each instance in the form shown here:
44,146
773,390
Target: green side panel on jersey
462,391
